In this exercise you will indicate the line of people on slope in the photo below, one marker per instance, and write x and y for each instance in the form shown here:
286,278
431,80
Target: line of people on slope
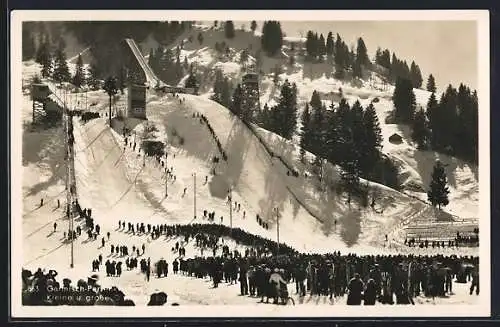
460,240
204,119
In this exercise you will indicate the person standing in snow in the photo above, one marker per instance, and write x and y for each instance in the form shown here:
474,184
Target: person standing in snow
41,202
355,287
55,227
275,281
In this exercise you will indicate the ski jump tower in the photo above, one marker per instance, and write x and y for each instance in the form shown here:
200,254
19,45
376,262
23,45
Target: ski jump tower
135,77
43,105
250,90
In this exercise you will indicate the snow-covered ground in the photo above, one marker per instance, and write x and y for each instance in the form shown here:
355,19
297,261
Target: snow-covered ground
112,180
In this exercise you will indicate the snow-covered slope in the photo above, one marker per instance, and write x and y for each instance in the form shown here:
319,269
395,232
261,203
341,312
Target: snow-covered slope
415,165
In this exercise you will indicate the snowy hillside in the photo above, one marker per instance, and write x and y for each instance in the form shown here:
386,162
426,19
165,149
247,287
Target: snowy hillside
415,165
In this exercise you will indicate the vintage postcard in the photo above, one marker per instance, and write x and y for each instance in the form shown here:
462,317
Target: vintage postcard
279,164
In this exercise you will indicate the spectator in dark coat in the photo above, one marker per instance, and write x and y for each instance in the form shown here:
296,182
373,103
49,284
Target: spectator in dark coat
355,290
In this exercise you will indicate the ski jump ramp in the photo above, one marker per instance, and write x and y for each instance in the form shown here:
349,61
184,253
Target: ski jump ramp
152,80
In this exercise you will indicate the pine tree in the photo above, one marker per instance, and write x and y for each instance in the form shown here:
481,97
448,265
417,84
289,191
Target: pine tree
305,132
111,88
357,126
362,54
200,38
330,44
272,37
378,56
317,124
340,58
315,101
419,130
218,85
237,100
287,110
395,68
332,137
385,60
79,78
350,177
415,75
43,52
372,144
431,84
253,26
92,77
47,67
61,70
404,101
229,29
185,65
321,46
357,70
311,46
418,77
438,190
225,96
432,115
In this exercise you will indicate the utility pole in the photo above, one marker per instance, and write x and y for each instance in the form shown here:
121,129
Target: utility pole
166,176
68,174
277,230
231,209
194,193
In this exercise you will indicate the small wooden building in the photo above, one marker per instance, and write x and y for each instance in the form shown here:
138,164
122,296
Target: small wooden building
395,139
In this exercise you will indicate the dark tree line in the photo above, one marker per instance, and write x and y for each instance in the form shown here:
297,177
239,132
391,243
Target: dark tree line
449,125
54,65
104,37
349,136
343,59
398,68
167,65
